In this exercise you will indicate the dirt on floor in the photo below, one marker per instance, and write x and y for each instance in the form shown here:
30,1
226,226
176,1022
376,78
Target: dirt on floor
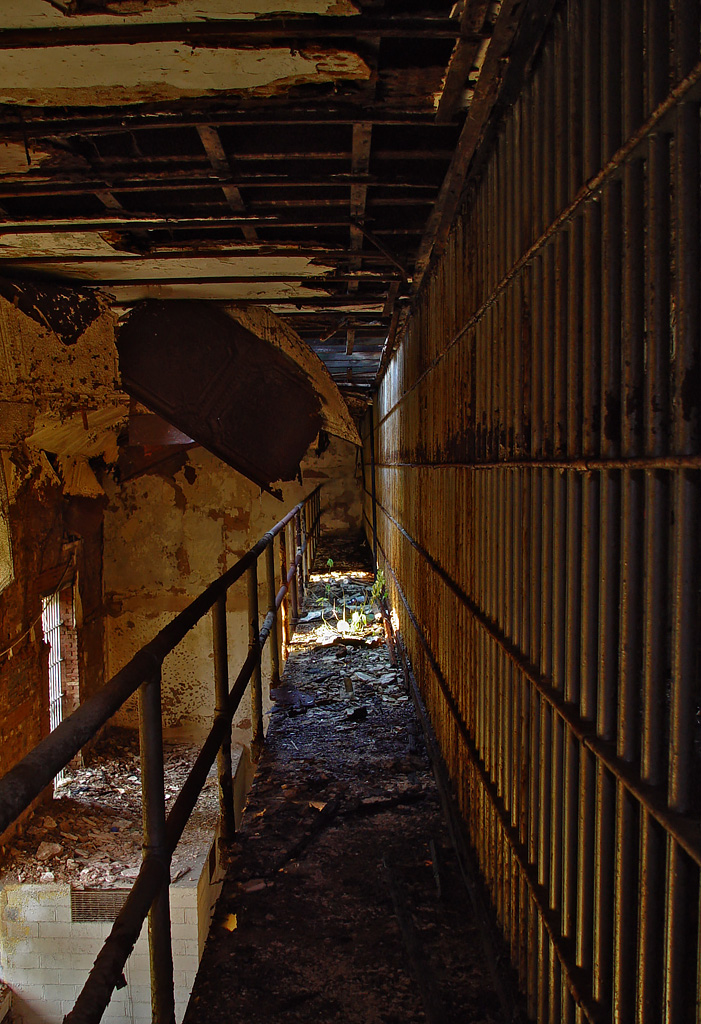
90,834
343,899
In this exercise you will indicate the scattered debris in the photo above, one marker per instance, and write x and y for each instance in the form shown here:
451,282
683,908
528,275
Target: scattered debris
342,784
92,837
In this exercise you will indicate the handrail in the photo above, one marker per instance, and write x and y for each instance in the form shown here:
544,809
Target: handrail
34,772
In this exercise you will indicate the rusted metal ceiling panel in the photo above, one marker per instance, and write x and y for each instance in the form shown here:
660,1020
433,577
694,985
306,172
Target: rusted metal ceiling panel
240,397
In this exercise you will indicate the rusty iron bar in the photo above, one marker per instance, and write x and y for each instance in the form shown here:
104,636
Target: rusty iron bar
688,90
294,592
677,824
652,463
154,874
275,635
299,540
538,892
34,772
256,683
155,846
285,611
227,819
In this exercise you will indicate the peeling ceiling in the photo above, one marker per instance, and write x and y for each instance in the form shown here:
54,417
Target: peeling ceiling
300,155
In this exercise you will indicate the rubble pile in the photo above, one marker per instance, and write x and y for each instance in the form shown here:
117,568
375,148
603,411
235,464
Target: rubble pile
90,833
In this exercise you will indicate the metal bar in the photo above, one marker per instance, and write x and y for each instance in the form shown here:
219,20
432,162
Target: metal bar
156,847
686,90
294,587
28,777
655,580
234,33
256,685
227,821
285,613
299,545
110,961
274,636
588,734
575,465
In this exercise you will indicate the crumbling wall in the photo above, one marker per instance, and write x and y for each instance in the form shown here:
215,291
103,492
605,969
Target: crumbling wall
55,540
56,371
169,533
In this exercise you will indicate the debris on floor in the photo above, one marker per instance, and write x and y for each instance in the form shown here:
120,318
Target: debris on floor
343,900
90,833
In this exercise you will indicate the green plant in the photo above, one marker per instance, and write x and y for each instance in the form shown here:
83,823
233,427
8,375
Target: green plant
329,563
379,589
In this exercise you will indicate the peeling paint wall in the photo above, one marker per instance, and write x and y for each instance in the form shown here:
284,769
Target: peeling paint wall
49,390
54,538
168,535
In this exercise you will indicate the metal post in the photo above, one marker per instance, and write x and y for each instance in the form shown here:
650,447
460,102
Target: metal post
300,570
227,822
274,636
155,845
256,687
304,568
284,608
372,487
294,593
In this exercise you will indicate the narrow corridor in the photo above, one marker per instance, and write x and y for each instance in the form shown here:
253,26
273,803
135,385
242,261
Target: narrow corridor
343,900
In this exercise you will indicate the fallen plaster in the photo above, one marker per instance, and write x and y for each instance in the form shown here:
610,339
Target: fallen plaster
111,75
48,13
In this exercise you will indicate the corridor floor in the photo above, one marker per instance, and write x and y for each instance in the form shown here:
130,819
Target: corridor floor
343,900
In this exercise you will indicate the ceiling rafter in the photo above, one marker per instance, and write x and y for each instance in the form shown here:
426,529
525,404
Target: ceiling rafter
211,140
232,32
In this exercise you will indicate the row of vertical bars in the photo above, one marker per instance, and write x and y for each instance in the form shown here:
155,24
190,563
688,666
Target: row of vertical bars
297,535
51,628
552,610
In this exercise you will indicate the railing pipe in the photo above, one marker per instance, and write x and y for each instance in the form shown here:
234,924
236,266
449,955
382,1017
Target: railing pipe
286,607
227,821
294,587
274,636
35,771
163,834
256,686
155,846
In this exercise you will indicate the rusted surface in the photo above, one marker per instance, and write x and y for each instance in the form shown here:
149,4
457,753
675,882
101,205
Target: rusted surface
537,462
218,383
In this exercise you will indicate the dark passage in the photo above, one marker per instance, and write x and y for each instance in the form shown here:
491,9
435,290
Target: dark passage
344,901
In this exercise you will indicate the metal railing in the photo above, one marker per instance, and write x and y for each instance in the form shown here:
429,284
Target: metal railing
299,532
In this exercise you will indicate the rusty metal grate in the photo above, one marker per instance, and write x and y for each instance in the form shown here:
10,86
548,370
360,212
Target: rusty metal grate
537,446
96,904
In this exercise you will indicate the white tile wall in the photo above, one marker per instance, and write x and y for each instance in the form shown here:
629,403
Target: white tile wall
45,958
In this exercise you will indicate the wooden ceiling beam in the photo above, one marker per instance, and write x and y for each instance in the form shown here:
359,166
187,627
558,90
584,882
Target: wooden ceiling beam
36,123
234,32
47,185
210,139
474,26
